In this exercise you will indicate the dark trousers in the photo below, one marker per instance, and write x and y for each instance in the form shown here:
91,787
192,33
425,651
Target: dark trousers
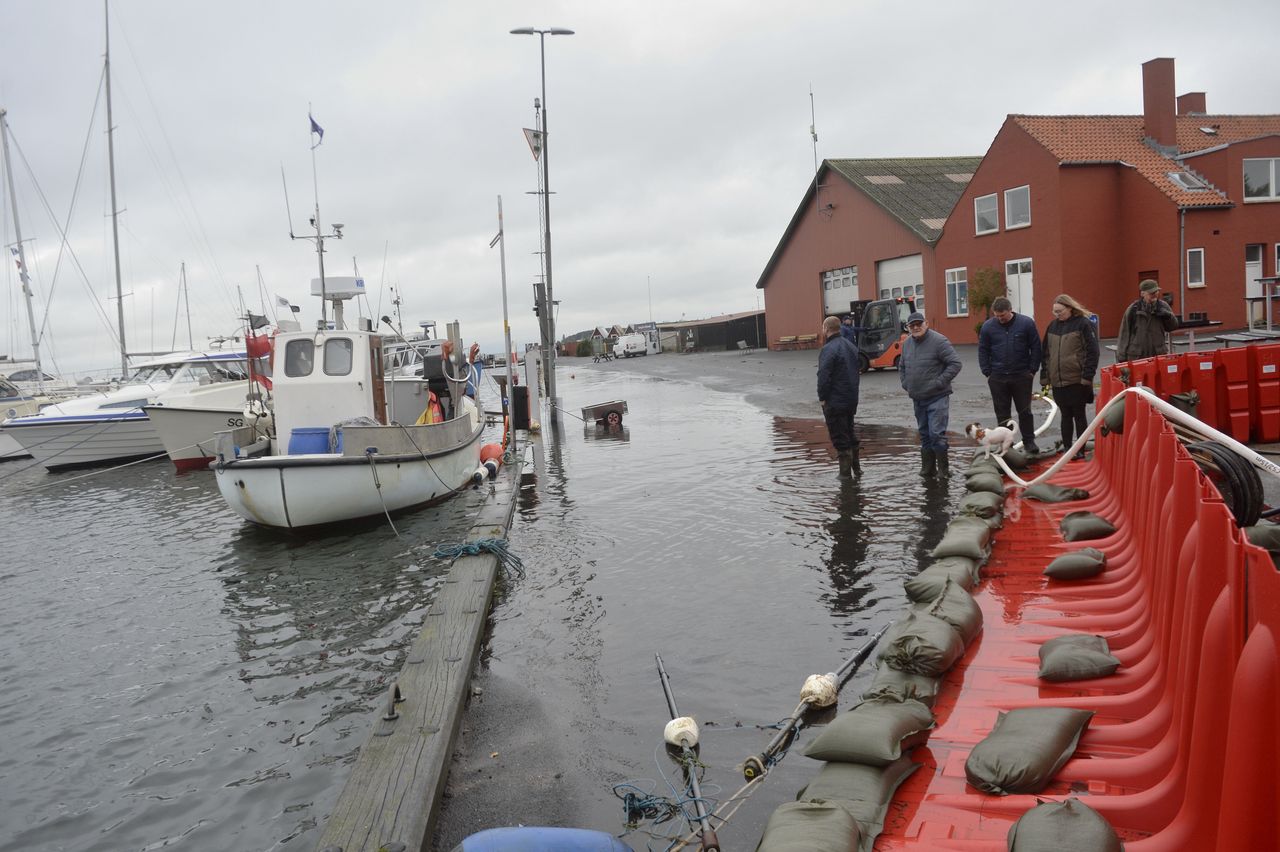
840,427
1071,400
1015,390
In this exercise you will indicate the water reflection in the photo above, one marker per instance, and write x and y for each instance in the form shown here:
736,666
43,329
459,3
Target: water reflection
602,432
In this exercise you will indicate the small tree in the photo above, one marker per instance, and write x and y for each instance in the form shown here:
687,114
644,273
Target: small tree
584,349
985,286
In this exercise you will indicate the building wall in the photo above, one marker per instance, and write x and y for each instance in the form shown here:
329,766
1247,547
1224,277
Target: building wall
1093,227
1014,160
854,232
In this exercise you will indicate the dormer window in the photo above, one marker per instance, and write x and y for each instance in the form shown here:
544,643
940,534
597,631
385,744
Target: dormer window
1188,181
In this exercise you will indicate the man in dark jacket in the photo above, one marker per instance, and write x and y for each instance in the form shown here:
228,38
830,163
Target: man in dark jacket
838,391
928,365
1009,355
1144,325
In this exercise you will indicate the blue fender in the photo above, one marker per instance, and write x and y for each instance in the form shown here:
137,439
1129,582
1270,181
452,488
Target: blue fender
539,839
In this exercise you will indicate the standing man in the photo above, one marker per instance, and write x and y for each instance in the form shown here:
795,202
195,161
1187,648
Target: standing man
838,391
846,329
1009,354
1145,324
928,366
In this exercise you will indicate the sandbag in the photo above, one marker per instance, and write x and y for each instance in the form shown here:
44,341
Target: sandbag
891,683
1113,420
811,827
1047,492
966,537
984,481
983,463
864,791
926,585
1085,526
1187,403
1017,458
1077,565
1267,536
874,733
1070,826
982,504
1078,656
956,607
1025,749
919,643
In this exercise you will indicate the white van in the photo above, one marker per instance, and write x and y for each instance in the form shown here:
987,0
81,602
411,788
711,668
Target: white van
630,344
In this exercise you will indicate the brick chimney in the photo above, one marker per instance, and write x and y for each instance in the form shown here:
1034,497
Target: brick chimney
1192,103
1158,103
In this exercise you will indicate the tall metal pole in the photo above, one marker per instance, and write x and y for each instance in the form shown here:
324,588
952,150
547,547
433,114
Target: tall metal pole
546,234
506,325
22,257
111,168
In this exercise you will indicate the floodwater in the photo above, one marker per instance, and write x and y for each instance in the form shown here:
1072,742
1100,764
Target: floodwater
178,679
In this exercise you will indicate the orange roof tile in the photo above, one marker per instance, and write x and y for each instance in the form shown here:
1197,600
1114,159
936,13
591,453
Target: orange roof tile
1119,138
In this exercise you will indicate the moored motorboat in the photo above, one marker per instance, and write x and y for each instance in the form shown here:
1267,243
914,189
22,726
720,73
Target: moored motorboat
112,427
336,455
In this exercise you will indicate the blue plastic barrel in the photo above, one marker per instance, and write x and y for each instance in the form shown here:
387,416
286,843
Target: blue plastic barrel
529,838
308,439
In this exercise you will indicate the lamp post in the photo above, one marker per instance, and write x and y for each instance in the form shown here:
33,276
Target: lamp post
546,209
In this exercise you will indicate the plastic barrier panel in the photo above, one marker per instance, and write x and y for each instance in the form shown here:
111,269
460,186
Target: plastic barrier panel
1233,387
1202,376
1171,371
1142,372
1264,395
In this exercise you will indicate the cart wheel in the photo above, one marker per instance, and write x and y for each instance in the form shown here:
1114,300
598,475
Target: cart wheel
613,418
863,364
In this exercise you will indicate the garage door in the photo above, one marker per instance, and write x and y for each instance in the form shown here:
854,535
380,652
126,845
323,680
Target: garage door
902,276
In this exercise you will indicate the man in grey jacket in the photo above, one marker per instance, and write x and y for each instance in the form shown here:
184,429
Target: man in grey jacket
928,367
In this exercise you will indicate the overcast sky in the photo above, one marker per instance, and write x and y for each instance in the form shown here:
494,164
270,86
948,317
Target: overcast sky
679,141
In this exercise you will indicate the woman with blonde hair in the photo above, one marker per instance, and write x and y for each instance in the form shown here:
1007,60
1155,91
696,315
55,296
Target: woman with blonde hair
1070,362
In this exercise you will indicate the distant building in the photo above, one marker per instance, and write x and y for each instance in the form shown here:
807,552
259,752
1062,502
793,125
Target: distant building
714,333
1088,205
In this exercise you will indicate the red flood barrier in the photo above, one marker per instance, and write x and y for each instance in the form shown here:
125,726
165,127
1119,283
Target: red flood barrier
1264,393
1233,368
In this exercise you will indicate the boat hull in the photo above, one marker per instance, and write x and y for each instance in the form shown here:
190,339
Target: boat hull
323,488
188,433
63,443
10,449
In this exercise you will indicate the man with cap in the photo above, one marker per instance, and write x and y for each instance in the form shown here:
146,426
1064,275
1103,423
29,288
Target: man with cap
1144,325
928,365
1009,354
838,391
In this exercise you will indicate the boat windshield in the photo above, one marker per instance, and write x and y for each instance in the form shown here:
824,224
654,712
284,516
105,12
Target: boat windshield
211,372
8,391
152,373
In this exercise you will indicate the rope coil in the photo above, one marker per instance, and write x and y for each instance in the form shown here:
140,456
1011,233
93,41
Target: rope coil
496,546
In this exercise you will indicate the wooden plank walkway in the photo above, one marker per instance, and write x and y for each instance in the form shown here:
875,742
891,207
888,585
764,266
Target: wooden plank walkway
394,790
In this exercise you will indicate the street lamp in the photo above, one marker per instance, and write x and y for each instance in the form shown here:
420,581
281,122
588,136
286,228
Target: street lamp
546,207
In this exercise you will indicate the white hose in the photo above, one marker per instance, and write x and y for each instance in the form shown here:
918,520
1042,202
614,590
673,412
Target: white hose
1171,413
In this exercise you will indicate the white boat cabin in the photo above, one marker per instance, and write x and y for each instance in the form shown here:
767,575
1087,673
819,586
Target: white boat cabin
318,373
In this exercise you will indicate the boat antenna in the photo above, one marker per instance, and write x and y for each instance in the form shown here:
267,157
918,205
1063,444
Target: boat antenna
501,241
111,168
320,236
22,258
813,129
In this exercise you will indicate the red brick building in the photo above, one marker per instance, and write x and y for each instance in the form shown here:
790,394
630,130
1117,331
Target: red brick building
1088,205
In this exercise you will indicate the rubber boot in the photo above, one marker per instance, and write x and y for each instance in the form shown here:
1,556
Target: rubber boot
846,464
944,464
928,462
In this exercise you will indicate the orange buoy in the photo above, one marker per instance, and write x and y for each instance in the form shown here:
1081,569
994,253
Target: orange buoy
491,451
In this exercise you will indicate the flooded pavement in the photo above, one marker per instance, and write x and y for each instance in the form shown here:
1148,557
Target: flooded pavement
708,531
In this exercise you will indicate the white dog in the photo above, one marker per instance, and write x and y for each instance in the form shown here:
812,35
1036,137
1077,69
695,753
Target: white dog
994,441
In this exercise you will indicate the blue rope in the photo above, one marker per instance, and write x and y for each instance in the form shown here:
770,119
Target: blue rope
496,546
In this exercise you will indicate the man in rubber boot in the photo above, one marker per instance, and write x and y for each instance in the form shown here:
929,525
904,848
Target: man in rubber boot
928,366
1145,325
1009,354
838,391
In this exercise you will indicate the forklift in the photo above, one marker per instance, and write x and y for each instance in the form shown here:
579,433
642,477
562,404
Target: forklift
880,326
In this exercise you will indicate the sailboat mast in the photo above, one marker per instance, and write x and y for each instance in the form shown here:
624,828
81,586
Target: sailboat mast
22,257
186,297
111,168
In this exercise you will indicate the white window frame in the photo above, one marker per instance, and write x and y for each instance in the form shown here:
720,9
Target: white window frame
1275,173
954,278
1008,217
1190,282
995,202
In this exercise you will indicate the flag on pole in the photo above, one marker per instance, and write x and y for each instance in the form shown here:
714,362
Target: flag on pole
282,301
316,129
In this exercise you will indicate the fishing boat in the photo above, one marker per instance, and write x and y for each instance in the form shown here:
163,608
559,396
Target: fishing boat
112,427
337,453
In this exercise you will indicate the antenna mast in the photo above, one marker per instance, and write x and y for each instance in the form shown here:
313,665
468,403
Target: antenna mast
111,163
22,258
813,130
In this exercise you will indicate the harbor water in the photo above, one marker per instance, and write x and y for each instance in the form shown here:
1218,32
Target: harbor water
179,679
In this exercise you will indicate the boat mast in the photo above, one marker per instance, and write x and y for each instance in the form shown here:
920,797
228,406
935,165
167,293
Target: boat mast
111,168
22,258
186,297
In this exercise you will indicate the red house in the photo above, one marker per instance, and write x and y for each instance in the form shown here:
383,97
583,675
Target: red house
1091,205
